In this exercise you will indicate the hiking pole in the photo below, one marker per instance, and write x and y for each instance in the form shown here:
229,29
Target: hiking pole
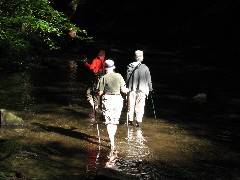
99,140
96,119
127,107
153,105
127,99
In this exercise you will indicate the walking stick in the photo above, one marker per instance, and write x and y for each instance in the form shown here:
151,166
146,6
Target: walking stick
153,106
128,127
99,139
96,119
127,107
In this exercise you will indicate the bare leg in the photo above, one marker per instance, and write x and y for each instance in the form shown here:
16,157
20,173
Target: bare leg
112,128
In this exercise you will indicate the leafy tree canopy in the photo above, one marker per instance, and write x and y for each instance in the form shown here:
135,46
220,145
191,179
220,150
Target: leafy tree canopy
27,25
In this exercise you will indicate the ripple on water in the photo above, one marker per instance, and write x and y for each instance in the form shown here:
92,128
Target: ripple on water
134,156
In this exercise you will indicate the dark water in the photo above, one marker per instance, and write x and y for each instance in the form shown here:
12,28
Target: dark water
188,139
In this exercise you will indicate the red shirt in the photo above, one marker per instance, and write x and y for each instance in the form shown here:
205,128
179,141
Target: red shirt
97,65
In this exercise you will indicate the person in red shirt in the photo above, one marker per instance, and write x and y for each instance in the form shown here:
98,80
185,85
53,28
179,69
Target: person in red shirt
98,68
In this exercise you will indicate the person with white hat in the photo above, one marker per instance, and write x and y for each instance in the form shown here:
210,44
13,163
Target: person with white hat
110,86
139,83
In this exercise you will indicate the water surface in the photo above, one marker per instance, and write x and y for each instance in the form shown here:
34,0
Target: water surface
186,140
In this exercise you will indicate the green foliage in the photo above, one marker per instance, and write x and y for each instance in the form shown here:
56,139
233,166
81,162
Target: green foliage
26,26
2,176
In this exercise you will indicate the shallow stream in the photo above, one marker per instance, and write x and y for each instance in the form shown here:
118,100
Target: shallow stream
188,139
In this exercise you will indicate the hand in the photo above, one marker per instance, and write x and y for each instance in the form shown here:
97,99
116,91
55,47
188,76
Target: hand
125,90
84,60
100,93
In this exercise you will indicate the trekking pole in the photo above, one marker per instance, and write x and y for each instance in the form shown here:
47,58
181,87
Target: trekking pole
99,139
153,106
97,157
98,131
127,107
127,99
96,119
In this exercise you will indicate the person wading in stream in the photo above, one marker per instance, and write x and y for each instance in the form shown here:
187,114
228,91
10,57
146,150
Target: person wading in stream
98,68
139,83
110,86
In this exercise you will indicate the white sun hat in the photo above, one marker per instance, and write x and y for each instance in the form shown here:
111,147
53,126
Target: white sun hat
109,64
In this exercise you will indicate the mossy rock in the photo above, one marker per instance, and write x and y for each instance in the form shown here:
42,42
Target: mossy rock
9,118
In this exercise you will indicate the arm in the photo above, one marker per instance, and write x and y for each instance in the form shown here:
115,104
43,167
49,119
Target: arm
149,79
124,90
100,86
123,85
100,93
94,66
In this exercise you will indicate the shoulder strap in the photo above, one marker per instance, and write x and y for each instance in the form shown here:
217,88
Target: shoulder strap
133,72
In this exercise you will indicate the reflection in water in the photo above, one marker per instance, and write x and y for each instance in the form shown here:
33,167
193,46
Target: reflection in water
137,148
133,151
27,98
93,161
136,152
16,93
72,82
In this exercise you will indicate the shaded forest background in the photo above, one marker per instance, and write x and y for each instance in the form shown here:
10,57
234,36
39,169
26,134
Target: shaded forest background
163,24
206,26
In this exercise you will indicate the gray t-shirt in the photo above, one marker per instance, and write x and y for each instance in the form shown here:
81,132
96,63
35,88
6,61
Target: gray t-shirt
140,79
111,83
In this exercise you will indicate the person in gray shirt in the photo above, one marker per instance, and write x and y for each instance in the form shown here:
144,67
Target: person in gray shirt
139,83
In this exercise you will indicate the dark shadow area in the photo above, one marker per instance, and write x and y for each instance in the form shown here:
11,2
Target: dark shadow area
75,113
69,132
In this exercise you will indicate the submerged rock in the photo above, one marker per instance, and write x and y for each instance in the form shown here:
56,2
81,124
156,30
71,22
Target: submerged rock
200,98
9,118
